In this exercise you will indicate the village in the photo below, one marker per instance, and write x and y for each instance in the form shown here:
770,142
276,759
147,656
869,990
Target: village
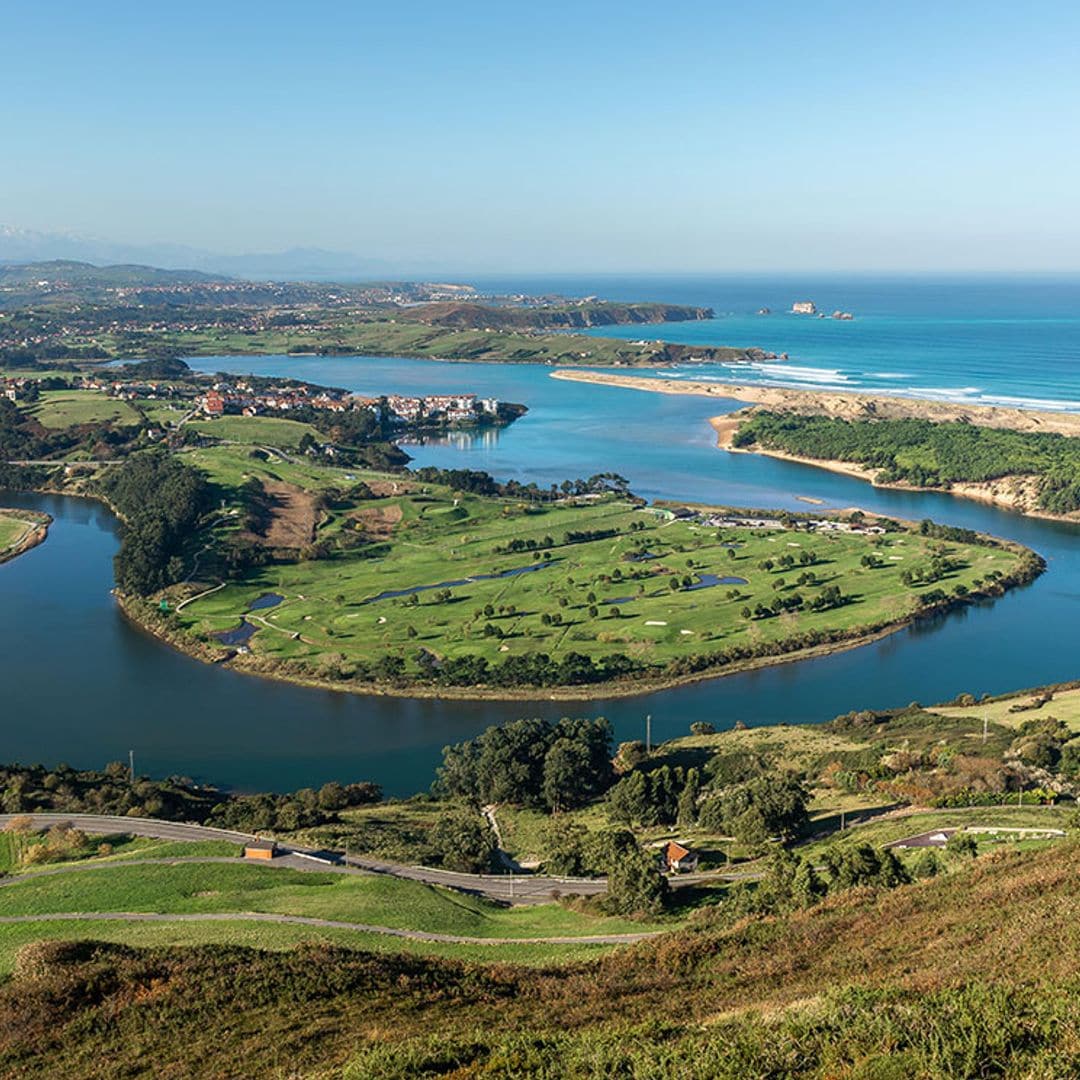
246,398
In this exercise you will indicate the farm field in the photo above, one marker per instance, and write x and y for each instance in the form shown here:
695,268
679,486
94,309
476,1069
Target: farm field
65,408
257,430
416,571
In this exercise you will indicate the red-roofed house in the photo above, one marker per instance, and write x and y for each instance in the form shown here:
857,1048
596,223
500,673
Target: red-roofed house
678,859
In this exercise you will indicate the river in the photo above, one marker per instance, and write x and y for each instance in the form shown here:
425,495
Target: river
81,685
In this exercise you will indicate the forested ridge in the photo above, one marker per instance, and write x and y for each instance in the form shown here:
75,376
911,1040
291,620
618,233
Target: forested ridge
927,454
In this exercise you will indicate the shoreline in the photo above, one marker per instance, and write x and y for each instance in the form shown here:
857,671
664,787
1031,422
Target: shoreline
847,404
36,533
1003,493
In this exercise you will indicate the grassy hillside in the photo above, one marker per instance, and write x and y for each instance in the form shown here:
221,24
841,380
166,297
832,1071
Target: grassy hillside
341,335
59,409
972,975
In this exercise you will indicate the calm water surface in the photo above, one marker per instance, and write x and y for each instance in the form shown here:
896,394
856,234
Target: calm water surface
81,685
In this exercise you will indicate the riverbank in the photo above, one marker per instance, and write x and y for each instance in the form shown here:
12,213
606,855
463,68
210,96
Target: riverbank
1017,493
21,530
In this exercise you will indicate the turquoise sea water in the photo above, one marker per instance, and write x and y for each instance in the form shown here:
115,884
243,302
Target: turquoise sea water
994,341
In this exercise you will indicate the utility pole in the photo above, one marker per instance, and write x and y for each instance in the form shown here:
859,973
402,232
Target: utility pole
131,764
648,733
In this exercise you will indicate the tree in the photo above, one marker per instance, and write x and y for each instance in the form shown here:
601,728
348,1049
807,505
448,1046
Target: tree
758,809
636,885
807,887
464,841
687,811
332,796
927,865
566,781
963,845
702,727
563,848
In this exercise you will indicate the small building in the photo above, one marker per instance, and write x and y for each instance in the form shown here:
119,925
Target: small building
678,859
260,849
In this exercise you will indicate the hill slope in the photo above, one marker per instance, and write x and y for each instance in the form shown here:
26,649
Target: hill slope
973,974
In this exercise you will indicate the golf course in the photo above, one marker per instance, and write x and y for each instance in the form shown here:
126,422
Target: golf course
355,577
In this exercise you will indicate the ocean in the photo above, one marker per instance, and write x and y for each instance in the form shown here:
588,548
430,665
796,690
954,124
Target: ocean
992,340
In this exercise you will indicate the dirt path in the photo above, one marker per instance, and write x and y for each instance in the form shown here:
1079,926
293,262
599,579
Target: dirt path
324,924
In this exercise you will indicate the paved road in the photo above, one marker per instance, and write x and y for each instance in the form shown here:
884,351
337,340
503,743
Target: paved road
329,924
507,888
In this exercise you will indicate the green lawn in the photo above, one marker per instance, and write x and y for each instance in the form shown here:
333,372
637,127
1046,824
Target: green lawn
372,899
12,531
120,848
65,408
436,536
388,337
243,887
1064,706
257,430
268,936
883,832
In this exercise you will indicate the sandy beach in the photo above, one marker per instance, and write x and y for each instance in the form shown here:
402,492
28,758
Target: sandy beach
850,405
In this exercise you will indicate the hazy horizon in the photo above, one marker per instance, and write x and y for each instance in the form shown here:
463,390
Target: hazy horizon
559,139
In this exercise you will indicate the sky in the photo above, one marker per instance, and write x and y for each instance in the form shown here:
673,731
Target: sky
552,136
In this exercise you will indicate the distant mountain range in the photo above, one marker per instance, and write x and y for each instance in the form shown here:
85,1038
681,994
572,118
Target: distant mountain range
309,264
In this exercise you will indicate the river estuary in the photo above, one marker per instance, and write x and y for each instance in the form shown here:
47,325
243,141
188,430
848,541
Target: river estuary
81,685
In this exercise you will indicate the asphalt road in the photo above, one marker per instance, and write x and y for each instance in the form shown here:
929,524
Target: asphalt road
507,888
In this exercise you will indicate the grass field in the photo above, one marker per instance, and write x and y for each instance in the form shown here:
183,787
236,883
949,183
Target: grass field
387,337
257,430
269,936
595,598
65,408
891,829
121,848
12,531
1064,706
243,887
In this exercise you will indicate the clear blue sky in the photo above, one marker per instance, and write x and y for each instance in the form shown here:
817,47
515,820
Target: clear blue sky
554,136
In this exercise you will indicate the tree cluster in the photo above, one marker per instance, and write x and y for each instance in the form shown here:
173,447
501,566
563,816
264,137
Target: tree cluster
531,762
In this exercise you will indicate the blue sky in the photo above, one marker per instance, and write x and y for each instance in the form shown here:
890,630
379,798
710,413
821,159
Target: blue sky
554,136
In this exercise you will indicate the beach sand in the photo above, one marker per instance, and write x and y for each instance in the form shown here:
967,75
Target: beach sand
849,405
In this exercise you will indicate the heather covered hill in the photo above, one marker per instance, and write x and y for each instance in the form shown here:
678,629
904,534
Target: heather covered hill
970,974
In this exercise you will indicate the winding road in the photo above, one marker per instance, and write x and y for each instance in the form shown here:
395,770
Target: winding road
505,888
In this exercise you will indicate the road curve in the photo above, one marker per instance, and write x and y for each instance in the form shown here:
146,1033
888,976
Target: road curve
508,888
325,924
505,888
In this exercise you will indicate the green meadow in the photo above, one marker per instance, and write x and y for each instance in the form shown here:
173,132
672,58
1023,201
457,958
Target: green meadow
208,888
60,409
